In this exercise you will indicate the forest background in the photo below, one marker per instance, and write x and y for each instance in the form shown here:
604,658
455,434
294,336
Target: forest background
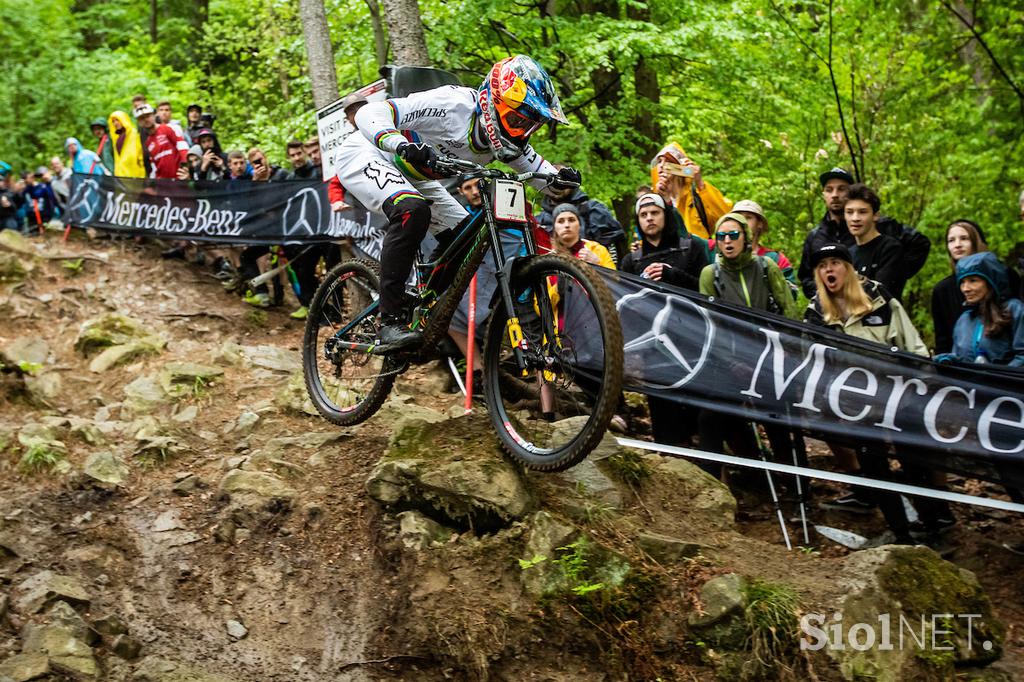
924,100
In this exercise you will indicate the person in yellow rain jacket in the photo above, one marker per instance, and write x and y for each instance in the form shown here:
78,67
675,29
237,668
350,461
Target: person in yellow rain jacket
678,180
128,159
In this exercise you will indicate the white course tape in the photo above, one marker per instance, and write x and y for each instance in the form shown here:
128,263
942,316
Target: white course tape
820,474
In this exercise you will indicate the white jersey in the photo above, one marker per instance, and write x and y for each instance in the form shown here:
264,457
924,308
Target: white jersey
445,119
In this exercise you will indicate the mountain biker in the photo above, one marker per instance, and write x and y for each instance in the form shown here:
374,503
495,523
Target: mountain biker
391,168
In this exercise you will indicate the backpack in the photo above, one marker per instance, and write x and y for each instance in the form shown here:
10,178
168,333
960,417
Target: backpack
915,245
773,304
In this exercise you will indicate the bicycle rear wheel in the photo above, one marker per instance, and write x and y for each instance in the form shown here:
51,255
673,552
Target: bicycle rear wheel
551,414
346,386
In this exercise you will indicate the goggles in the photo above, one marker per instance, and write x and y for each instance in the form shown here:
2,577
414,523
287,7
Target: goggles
515,123
731,236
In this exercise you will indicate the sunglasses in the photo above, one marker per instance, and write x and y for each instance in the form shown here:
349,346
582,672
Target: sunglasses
731,236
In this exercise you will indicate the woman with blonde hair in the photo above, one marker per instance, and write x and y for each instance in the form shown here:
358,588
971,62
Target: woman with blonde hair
851,304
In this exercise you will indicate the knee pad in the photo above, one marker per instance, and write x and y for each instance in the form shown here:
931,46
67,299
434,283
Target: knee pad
409,211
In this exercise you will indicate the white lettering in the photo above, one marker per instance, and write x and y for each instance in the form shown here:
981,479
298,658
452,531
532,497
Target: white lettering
988,417
869,636
900,386
809,626
931,413
942,619
837,387
774,345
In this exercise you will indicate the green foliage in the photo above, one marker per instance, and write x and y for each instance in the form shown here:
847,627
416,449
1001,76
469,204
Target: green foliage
526,564
29,367
773,623
74,267
40,457
629,466
933,118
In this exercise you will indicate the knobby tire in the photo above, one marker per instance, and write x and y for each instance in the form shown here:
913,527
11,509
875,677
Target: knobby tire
316,334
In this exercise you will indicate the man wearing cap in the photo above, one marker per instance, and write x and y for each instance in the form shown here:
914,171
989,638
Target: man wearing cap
192,114
167,151
835,185
667,253
663,255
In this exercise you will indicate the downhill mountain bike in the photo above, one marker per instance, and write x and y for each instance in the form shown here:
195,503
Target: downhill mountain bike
552,347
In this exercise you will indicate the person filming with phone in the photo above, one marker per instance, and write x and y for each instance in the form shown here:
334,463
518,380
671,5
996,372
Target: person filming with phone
677,178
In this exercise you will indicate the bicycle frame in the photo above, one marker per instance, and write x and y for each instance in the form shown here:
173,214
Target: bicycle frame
474,236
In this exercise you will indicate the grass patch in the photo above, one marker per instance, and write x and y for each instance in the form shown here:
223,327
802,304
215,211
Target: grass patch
256,317
39,458
773,623
629,467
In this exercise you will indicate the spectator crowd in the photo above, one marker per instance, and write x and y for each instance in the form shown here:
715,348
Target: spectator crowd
852,270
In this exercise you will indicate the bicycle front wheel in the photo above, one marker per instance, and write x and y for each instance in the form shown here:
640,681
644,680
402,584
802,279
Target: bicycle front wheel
553,373
347,386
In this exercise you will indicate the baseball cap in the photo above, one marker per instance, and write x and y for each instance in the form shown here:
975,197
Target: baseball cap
204,131
836,173
142,110
195,150
830,251
648,199
5,169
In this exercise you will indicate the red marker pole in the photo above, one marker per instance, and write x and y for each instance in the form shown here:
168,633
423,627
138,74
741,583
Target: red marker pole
39,218
470,342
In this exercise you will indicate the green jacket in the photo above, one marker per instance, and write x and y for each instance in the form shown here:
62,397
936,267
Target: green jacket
753,281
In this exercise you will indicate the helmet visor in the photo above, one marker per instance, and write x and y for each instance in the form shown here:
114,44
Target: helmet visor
516,123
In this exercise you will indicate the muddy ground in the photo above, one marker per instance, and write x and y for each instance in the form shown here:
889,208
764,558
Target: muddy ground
321,589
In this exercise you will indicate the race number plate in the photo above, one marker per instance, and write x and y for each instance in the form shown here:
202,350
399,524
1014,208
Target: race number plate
509,200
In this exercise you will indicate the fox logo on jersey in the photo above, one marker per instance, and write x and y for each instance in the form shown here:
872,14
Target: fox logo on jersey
382,175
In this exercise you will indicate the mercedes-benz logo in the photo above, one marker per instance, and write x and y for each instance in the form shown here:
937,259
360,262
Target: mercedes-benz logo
303,213
84,201
682,346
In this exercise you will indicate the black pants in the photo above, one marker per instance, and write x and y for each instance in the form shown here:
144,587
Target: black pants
249,268
408,221
303,258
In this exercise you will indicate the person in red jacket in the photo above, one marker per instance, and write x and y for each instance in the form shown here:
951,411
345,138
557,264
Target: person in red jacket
167,150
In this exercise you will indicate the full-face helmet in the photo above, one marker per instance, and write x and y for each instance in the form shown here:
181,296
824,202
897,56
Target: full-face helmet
516,98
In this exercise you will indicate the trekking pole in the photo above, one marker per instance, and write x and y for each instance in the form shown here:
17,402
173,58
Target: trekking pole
470,343
771,488
794,436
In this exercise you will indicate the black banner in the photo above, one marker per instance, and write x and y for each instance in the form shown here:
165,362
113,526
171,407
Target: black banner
231,211
682,346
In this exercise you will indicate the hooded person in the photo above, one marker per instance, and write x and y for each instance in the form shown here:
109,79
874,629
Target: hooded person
83,160
127,147
678,179
738,276
991,329
104,145
667,253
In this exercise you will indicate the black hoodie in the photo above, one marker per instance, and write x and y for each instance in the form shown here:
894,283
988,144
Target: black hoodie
685,257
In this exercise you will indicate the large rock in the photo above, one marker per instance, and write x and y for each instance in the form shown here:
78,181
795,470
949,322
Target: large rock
708,500
118,355
547,534
153,669
27,353
47,587
106,467
269,357
589,489
667,549
143,395
452,470
12,268
239,482
292,397
68,653
723,622
44,388
24,666
16,242
182,378
417,531
919,592
113,329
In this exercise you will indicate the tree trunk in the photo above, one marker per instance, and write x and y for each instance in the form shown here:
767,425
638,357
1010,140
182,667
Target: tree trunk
152,21
380,37
408,43
319,52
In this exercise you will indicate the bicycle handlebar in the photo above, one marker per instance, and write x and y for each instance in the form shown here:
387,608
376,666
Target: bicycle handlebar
461,166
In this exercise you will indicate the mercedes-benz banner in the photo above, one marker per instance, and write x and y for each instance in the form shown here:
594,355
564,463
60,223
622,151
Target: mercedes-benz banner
232,211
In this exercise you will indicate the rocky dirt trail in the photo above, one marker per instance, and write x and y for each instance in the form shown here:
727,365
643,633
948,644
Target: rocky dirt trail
171,509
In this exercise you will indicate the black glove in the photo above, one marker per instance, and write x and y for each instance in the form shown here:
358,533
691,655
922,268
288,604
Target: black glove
567,177
420,156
